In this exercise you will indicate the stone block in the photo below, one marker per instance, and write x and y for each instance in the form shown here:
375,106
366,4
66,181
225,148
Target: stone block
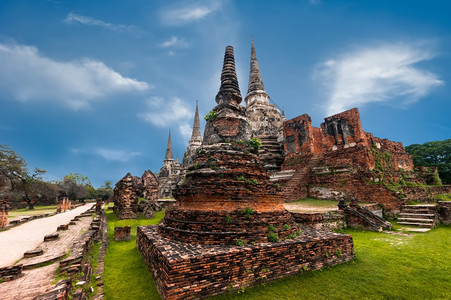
33,253
51,237
63,227
122,233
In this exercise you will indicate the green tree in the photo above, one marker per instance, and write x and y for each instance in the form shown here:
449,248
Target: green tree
433,154
16,179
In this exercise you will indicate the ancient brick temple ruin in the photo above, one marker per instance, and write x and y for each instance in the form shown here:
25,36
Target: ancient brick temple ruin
169,173
129,189
229,228
3,213
63,205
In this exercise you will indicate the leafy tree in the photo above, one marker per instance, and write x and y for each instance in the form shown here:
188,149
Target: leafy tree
433,154
15,177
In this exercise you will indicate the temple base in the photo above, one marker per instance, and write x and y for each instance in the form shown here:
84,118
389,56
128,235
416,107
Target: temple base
183,270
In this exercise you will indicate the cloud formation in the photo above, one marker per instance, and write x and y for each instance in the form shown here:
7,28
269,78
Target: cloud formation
108,154
75,18
174,42
188,14
26,75
169,113
377,74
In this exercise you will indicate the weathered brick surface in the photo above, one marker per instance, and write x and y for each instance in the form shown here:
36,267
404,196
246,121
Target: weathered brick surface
122,233
328,220
3,213
125,197
444,211
63,205
186,270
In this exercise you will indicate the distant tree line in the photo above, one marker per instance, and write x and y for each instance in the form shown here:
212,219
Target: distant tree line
18,184
433,154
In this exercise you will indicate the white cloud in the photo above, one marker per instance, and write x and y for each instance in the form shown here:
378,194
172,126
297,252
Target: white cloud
377,74
74,18
188,14
169,113
108,154
115,155
28,76
174,42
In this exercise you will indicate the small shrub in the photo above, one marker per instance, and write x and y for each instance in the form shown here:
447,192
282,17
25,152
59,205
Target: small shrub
299,232
273,237
252,181
286,226
248,211
326,255
338,252
196,166
291,236
213,166
240,242
211,116
240,178
228,218
200,151
271,228
239,142
254,144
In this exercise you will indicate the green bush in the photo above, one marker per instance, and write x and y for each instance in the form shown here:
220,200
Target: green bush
211,116
273,237
248,211
271,228
240,242
254,144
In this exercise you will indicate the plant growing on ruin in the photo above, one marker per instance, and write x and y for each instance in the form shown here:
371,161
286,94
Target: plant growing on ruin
240,242
326,255
239,142
291,236
252,181
213,166
286,226
271,228
273,237
248,211
196,166
338,253
211,115
228,218
254,144
240,178
200,151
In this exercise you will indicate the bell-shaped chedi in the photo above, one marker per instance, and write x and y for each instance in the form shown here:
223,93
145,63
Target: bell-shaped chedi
264,118
227,121
226,195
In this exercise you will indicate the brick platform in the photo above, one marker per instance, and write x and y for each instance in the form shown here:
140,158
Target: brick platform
186,270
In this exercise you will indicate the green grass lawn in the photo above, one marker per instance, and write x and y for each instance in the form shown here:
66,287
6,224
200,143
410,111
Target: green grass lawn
126,276
387,266
38,210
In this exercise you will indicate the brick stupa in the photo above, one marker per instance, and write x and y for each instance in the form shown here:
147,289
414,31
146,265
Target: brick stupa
229,228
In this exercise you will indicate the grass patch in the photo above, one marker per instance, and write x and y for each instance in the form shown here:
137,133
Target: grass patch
443,197
38,210
386,267
126,275
316,202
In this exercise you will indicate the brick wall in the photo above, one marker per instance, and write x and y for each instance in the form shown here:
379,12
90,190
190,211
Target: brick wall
3,213
184,270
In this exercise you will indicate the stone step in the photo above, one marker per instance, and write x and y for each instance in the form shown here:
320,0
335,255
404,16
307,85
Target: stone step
419,206
418,220
422,211
416,224
408,215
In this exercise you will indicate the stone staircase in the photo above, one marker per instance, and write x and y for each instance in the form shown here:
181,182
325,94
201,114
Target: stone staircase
418,215
270,153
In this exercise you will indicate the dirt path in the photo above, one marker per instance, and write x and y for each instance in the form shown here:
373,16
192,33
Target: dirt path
17,240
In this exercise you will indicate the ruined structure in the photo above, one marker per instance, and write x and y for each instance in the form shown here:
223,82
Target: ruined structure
169,173
3,213
129,189
229,227
340,160
63,205
194,143
266,121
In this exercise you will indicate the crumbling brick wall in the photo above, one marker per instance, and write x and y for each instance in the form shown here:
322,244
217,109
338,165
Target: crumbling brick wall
63,205
3,213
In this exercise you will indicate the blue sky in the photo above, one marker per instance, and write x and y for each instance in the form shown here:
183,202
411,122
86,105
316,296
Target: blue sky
93,87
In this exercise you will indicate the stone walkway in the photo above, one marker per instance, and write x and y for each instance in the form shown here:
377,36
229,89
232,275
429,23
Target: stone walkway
17,240
37,281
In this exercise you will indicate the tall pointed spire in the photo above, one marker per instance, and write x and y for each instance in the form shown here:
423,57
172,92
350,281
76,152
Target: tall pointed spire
196,137
229,91
256,90
169,155
255,78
